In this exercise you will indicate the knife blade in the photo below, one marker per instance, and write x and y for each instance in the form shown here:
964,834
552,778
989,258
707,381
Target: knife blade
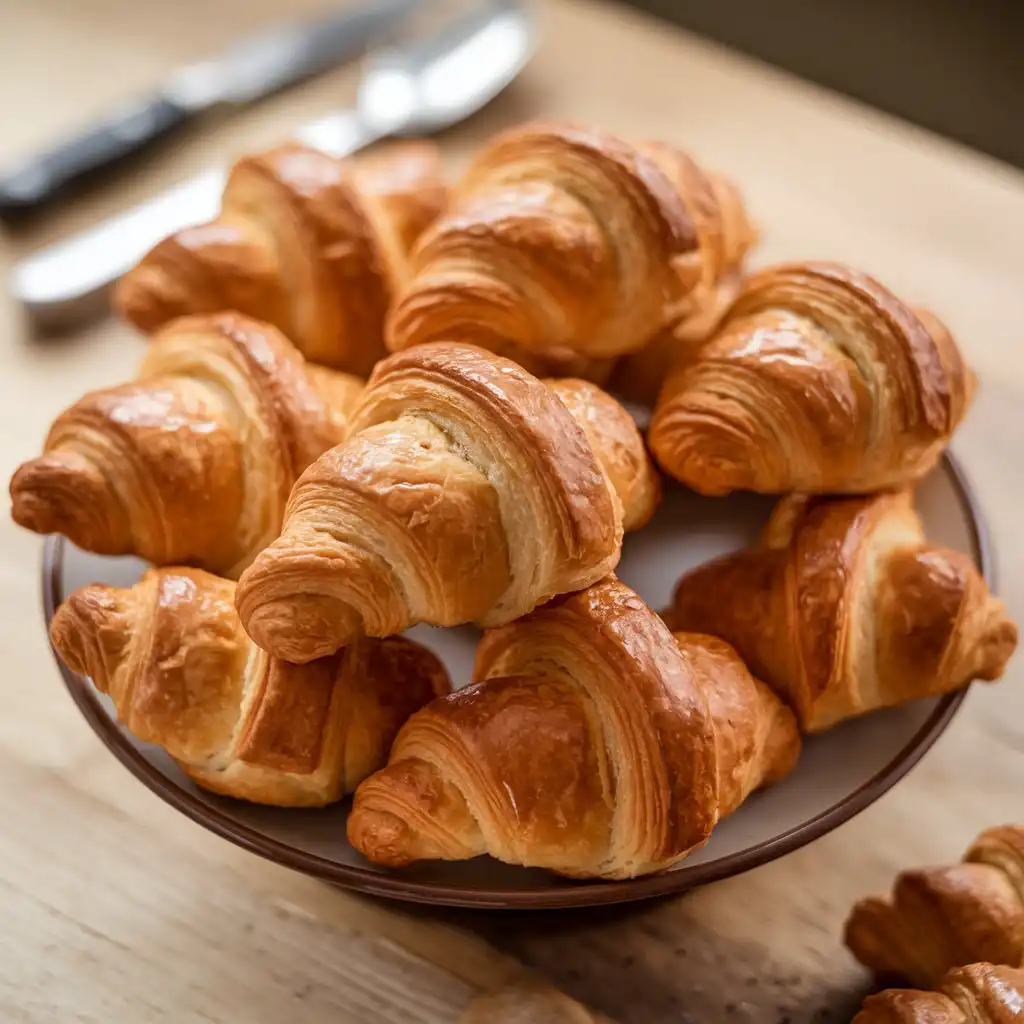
249,70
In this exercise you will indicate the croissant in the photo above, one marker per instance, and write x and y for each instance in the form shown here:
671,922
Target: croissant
639,376
172,654
844,608
467,491
818,380
529,1003
193,462
594,744
310,243
567,239
938,918
976,994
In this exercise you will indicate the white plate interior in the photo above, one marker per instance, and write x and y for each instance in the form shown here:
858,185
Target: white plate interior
686,531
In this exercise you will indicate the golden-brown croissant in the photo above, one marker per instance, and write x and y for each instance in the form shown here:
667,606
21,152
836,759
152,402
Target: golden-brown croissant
193,461
174,658
639,376
529,1003
310,243
818,380
595,744
938,918
467,491
567,239
844,608
975,994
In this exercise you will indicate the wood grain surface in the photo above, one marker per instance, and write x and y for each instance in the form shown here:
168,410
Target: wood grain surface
116,909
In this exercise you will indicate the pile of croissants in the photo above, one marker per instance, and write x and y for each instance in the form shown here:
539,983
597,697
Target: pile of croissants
371,400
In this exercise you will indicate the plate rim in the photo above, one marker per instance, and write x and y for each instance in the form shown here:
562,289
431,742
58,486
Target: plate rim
572,894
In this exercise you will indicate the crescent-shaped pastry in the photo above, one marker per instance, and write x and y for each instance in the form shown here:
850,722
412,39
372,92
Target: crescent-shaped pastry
174,658
467,491
938,918
194,460
315,245
594,744
844,607
566,239
818,380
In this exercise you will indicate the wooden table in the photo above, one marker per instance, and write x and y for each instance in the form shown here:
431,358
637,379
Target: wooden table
117,909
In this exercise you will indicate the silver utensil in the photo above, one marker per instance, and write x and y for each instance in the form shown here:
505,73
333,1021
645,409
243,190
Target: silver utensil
417,89
248,71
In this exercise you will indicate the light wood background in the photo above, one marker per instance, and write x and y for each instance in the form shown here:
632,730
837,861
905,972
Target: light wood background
116,909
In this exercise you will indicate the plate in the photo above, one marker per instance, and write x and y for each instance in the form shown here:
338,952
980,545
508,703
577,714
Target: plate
839,774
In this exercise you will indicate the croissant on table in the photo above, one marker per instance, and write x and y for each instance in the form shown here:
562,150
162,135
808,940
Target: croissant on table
975,994
566,240
818,380
313,244
939,918
193,461
844,607
467,491
594,743
174,658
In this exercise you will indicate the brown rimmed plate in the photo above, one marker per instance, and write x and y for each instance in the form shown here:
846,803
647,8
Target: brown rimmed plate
840,772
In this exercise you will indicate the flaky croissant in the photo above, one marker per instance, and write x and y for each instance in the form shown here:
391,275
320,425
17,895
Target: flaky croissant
529,1003
844,608
563,239
174,658
938,918
595,744
193,461
314,245
818,380
976,994
467,491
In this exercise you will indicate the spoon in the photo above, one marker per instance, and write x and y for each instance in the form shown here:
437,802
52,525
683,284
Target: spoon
413,90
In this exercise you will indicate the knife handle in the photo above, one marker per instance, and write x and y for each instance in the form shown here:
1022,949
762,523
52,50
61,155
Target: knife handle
37,181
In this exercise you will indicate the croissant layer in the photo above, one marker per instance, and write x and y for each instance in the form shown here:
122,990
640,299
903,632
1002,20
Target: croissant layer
594,743
467,491
312,244
193,461
172,654
844,608
561,240
818,380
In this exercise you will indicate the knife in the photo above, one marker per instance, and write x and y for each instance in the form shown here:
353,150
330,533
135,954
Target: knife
249,70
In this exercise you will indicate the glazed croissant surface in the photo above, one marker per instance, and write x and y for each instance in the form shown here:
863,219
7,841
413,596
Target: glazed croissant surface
174,658
467,491
561,239
594,743
939,918
975,994
818,380
315,245
844,607
193,461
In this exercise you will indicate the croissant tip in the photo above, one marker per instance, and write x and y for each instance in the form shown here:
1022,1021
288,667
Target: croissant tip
379,835
299,627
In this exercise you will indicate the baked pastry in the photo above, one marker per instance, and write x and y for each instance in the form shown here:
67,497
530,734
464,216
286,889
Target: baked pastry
818,380
594,743
844,607
976,994
467,491
174,658
639,376
561,238
938,918
312,244
193,461
529,1003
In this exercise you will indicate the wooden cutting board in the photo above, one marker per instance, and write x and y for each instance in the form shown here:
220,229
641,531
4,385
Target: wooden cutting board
116,909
